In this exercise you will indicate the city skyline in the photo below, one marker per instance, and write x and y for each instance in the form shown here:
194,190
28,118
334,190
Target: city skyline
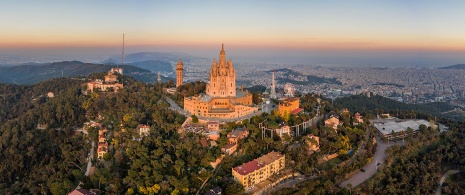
313,32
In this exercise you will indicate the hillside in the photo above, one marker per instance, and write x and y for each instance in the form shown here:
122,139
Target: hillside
457,66
361,103
154,66
29,74
309,79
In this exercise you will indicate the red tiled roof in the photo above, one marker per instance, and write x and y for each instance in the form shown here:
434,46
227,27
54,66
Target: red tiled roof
228,146
297,110
247,168
258,163
81,192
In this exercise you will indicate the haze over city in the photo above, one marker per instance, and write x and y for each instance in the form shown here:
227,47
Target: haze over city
341,33
232,97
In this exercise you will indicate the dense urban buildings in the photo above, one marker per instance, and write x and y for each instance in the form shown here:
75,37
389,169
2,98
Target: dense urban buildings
409,85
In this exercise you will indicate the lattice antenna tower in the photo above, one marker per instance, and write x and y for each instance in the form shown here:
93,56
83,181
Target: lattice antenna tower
122,53
122,61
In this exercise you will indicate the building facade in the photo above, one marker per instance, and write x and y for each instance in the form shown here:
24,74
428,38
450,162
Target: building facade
258,170
221,99
144,130
333,122
179,72
109,84
237,134
102,147
288,105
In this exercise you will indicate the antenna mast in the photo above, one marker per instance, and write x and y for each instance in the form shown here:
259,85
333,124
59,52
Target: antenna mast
122,53
122,62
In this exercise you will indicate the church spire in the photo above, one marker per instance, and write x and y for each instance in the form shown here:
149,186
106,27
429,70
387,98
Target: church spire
222,55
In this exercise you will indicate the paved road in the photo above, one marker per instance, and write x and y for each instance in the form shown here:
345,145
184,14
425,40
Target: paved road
89,162
290,183
443,178
370,168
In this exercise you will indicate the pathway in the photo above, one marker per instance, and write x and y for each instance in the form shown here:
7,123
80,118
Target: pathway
89,162
443,178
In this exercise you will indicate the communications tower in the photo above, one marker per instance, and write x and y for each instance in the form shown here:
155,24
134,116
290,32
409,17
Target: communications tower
273,87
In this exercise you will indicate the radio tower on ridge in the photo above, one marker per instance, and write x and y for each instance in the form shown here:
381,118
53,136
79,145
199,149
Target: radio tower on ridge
122,53
273,89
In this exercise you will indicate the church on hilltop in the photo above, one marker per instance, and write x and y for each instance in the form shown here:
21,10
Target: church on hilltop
222,99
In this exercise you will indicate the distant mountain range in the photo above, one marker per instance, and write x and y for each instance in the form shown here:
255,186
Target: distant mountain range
151,65
457,66
29,74
152,56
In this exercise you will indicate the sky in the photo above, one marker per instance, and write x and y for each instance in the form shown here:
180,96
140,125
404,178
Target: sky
373,32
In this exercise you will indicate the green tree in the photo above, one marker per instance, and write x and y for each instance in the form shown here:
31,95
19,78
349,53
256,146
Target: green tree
195,119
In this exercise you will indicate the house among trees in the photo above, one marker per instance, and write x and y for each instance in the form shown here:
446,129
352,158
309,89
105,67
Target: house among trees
110,83
284,129
102,147
50,95
144,130
357,119
237,134
313,143
333,122
42,126
82,192
229,148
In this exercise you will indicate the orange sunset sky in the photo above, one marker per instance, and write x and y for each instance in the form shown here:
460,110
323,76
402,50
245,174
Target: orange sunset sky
62,27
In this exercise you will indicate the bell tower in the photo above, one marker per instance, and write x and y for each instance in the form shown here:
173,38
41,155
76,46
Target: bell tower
179,70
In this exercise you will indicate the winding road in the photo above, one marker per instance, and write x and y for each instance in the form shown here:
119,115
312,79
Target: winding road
443,178
370,168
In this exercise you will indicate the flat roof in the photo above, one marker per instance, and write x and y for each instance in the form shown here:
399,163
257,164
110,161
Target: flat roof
386,126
